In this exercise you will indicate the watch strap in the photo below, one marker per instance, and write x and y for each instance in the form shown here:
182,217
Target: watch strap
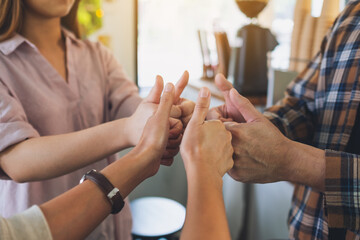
111,192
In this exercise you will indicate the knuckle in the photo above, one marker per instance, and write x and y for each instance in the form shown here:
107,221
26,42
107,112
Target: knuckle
166,97
229,135
230,164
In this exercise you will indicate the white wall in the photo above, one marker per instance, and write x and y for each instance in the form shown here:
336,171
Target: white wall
119,23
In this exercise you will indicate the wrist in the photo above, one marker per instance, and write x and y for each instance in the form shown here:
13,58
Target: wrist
306,165
127,172
287,165
198,171
126,134
148,159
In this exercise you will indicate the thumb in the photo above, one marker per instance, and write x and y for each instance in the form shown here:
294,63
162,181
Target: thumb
222,83
224,86
155,93
244,106
166,102
180,85
201,107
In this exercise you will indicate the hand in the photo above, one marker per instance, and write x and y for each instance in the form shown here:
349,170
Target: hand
259,147
226,112
136,123
186,106
206,146
187,109
177,128
156,132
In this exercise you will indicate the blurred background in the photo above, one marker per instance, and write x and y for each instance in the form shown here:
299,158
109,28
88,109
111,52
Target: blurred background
205,37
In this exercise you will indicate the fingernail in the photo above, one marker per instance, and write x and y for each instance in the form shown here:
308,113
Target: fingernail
204,92
169,87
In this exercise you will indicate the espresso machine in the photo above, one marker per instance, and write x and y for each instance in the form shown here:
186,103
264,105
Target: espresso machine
250,72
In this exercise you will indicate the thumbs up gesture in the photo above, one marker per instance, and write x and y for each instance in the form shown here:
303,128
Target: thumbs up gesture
259,147
206,145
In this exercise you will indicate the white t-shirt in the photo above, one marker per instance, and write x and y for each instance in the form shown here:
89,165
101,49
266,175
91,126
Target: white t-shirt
30,224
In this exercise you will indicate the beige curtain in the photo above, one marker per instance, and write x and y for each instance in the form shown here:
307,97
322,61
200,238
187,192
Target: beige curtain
308,32
306,42
302,9
330,10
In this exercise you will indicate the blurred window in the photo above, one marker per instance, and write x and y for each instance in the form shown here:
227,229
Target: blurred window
167,33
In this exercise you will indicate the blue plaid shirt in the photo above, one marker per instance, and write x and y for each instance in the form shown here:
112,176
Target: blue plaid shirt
320,109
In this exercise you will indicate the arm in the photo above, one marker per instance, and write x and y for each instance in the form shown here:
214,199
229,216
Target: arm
207,154
74,214
263,154
61,154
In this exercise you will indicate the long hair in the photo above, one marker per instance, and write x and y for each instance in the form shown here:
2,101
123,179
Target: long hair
11,18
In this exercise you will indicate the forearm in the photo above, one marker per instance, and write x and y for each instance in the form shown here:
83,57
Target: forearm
76,213
306,165
52,156
205,216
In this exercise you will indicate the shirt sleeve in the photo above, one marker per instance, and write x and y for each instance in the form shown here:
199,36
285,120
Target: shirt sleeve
28,225
122,94
342,185
14,126
293,115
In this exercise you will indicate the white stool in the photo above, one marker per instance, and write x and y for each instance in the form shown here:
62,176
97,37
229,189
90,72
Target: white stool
156,218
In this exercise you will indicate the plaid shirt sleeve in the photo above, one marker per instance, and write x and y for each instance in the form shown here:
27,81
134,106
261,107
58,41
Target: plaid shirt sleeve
342,190
293,115
297,115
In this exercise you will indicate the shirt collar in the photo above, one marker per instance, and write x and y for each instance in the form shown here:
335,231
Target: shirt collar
10,45
70,35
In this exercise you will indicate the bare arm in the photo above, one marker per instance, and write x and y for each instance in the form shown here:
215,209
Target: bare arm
52,156
205,213
76,213
305,165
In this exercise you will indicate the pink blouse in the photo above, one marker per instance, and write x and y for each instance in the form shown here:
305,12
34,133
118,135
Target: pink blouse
36,101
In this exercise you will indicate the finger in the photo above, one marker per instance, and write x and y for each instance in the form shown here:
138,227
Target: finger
186,106
180,86
170,152
185,120
226,119
155,93
176,128
201,107
175,112
243,105
167,161
214,113
222,84
231,125
166,103
175,133
174,143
